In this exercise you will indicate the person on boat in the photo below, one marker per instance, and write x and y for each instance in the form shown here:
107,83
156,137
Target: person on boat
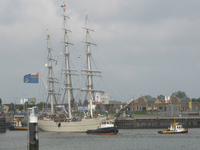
168,128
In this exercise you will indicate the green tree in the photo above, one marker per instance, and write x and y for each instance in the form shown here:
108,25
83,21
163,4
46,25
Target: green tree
79,103
11,107
85,103
161,97
196,100
47,105
30,105
179,94
72,102
26,105
97,107
147,96
114,102
40,105
20,108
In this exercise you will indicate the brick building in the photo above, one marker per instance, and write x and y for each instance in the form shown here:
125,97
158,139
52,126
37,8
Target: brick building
142,104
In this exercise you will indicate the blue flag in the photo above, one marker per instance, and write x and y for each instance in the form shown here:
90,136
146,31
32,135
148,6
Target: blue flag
31,78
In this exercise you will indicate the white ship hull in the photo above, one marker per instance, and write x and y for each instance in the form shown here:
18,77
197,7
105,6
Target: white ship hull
77,126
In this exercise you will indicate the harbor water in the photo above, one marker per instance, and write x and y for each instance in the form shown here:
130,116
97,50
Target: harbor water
141,139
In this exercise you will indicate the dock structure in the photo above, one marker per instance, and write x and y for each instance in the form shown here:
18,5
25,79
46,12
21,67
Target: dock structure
156,122
125,123
2,124
33,143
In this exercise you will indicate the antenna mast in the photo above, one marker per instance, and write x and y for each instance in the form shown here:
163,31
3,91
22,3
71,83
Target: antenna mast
67,71
89,71
51,81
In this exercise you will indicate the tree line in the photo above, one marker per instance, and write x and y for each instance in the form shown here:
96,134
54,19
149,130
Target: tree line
179,94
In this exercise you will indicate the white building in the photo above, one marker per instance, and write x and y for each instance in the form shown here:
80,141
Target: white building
99,99
105,98
24,101
29,100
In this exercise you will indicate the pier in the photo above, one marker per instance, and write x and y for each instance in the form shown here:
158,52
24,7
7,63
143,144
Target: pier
2,124
149,122
136,122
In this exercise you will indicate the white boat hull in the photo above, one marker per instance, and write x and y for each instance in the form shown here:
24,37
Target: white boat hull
77,126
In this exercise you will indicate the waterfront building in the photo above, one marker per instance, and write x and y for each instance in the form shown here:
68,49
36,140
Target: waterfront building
154,104
4,108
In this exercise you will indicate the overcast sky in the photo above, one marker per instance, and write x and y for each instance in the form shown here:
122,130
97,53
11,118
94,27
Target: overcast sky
144,47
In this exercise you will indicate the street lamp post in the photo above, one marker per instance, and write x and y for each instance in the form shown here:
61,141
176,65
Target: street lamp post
2,109
24,102
14,105
133,105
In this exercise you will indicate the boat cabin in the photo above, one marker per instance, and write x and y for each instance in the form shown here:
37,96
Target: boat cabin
176,126
107,124
16,122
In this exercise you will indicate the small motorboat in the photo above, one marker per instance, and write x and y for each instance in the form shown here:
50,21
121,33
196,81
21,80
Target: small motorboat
17,125
105,128
175,127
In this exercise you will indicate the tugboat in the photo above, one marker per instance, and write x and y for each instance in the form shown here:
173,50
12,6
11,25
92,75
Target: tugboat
16,125
105,128
175,127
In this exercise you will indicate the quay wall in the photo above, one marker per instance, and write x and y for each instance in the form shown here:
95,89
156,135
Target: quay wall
2,124
142,122
156,122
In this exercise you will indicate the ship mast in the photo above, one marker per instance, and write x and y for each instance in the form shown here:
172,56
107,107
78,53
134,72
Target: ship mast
89,72
67,71
51,81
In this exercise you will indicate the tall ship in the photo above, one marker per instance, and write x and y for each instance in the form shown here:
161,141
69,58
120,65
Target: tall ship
63,122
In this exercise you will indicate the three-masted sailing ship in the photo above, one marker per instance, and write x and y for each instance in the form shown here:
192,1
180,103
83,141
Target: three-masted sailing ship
67,124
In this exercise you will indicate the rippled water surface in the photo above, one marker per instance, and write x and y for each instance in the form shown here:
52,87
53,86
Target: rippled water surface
125,140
